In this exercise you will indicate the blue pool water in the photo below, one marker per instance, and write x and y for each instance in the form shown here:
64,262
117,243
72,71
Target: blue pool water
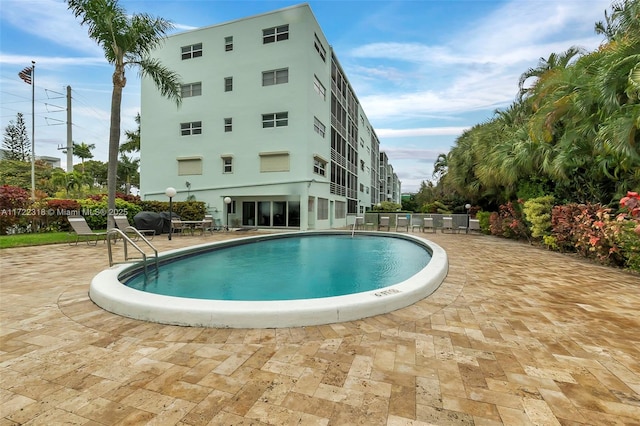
300,267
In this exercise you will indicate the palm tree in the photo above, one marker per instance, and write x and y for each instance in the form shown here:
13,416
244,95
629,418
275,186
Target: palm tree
83,151
127,41
132,144
554,61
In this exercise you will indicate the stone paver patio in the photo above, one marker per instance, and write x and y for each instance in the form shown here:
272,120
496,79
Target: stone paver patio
515,335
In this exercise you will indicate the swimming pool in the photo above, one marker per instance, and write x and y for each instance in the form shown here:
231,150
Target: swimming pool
108,291
306,267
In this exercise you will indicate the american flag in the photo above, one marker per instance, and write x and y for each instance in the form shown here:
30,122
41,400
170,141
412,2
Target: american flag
25,75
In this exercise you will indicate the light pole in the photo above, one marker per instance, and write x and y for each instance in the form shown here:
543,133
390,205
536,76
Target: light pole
227,201
467,206
170,192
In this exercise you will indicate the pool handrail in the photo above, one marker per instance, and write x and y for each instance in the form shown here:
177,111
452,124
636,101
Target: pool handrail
115,233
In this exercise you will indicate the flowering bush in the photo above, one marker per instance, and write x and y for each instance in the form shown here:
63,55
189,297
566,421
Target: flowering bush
508,222
13,206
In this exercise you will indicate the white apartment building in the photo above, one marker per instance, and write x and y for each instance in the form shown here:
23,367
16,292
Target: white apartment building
268,120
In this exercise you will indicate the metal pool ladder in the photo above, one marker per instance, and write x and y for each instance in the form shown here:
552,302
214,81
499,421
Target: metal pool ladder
114,233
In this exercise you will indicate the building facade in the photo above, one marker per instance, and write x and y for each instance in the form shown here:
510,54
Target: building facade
268,120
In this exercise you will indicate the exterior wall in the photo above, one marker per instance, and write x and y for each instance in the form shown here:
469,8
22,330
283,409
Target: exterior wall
248,144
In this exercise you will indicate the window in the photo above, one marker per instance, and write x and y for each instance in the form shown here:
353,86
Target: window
361,187
228,124
274,162
320,48
189,166
319,166
341,209
228,84
191,89
227,164
318,126
192,51
280,76
193,128
271,35
362,165
275,119
319,88
228,44
323,209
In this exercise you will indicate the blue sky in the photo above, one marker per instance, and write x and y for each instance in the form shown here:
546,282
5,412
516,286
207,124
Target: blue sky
423,70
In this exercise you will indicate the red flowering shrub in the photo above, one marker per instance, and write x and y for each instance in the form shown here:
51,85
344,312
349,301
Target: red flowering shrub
509,222
13,206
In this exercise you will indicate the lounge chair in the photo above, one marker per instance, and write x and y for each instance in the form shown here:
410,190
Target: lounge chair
427,223
474,225
402,222
384,222
416,222
122,223
447,224
81,229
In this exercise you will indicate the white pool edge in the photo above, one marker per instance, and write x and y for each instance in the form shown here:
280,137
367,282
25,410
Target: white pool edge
110,294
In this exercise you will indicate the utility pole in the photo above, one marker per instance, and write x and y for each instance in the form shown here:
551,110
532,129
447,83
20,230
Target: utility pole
69,138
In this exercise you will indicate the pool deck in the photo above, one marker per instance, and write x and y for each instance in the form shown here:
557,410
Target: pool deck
515,335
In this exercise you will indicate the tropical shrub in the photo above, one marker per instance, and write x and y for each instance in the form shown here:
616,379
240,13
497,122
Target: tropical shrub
537,211
95,211
483,218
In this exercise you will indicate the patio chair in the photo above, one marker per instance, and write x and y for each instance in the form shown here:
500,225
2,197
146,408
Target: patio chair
427,223
81,229
384,222
122,223
178,227
205,226
402,222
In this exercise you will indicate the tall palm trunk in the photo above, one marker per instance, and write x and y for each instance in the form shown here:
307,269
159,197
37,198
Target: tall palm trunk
119,81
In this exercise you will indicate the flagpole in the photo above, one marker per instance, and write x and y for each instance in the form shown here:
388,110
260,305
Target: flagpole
33,135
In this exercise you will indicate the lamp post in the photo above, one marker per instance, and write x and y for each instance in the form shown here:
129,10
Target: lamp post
170,192
227,201
468,207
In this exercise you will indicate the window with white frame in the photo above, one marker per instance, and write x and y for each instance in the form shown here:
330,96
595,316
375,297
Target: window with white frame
323,209
275,119
281,76
191,89
228,84
189,166
341,209
319,88
227,164
319,166
192,128
320,48
191,51
318,126
271,35
228,124
228,44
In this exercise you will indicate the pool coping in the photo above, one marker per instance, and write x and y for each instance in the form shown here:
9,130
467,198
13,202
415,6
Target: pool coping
110,294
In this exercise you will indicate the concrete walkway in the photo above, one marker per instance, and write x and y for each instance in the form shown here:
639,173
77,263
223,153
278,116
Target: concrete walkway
515,335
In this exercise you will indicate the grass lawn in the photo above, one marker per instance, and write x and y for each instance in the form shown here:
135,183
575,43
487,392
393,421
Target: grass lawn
23,240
